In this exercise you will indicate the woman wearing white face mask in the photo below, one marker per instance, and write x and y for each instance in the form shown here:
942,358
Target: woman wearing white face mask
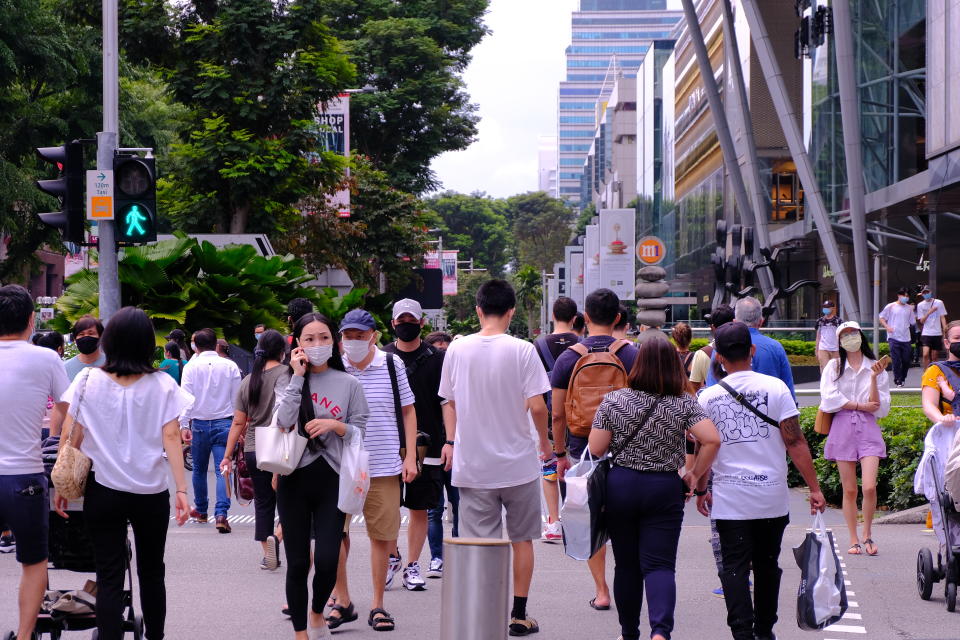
856,389
327,406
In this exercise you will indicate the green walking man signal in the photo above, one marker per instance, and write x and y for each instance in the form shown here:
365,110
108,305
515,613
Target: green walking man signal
134,228
135,199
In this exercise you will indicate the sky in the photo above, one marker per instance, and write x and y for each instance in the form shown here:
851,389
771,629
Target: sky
513,78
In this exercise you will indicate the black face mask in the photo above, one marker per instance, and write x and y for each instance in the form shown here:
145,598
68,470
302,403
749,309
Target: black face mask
955,349
87,344
407,331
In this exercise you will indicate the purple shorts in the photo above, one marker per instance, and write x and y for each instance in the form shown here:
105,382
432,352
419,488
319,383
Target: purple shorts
854,435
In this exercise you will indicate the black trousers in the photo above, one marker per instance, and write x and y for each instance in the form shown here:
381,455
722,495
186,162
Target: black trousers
744,543
900,353
264,498
307,501
107,513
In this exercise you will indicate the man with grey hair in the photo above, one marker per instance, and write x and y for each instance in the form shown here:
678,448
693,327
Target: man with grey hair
770,357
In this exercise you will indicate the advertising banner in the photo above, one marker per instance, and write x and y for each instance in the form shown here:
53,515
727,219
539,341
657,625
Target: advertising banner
559,271
448,264
334,127
577,277
591,255
617,251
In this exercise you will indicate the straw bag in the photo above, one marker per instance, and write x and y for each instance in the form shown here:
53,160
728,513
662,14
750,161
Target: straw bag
69,475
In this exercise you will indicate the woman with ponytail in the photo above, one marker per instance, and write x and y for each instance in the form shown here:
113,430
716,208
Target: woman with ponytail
254,407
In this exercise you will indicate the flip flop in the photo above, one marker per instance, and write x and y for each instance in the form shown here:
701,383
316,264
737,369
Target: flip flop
855,550
870,543
598,607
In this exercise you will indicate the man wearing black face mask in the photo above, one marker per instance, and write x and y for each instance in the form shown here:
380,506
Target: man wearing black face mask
86,334
424,364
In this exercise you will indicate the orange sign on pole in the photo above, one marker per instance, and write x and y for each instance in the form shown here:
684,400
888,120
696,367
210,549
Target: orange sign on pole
651,250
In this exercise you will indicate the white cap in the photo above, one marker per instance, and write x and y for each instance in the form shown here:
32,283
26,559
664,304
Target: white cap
850,324
407,305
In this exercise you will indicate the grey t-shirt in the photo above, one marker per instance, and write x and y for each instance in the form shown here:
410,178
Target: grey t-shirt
73,366
336,395
260,415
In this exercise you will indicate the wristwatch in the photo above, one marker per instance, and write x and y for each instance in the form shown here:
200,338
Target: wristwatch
562,454
450,442
697,492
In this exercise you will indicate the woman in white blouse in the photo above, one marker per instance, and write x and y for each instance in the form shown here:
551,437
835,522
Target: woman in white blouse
126,416
856,389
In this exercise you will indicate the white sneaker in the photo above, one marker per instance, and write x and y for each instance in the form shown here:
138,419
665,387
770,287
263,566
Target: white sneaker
411,578
552,532
395,566
436,568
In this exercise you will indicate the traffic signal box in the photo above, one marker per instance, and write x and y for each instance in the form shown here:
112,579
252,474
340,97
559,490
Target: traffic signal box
71,218
135,199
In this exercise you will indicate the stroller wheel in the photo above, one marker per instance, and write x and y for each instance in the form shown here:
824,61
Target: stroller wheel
925,573
951,595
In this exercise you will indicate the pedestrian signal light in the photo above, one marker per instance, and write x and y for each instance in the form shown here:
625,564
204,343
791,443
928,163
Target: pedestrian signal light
70,219
135,199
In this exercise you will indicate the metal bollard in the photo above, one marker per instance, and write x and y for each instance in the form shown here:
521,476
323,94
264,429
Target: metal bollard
476,589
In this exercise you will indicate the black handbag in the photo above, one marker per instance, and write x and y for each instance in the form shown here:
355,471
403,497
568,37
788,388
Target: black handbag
597,487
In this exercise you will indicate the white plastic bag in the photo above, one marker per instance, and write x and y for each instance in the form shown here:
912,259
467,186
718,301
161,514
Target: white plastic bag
575,512
821,598
354,477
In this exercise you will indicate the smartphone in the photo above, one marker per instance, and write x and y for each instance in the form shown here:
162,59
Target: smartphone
885,361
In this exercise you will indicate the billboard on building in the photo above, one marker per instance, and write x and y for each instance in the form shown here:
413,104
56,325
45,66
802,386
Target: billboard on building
448,264
573,264
617,251
334,135
591,267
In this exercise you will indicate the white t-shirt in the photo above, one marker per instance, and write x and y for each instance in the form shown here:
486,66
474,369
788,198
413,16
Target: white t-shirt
28,376
123,427
750,472
932,326
490,379
900,317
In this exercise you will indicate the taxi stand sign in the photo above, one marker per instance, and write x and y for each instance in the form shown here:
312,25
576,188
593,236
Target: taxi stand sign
100,194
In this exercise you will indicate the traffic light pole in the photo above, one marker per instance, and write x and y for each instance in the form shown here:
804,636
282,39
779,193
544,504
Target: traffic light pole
108,275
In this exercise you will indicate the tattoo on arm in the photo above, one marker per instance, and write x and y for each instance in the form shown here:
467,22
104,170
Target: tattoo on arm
791,432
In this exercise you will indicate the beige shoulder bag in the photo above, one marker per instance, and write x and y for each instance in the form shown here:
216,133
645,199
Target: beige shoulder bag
72,467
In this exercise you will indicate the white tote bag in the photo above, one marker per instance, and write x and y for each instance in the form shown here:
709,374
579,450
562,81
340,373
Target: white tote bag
575,513
279,450
354,478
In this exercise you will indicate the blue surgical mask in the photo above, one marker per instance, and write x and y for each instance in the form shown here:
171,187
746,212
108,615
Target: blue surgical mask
904,299
826,311
927,296
256,336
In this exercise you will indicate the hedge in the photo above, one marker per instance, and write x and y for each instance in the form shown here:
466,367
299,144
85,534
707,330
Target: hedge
903,431
792,347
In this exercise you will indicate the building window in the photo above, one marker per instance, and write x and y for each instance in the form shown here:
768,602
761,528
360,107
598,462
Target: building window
578,106
573,148
576,134
786,196
570,176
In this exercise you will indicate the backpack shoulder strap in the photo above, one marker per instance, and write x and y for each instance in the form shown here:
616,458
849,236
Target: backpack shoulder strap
545,354
395,384
616,345
746,403
579,349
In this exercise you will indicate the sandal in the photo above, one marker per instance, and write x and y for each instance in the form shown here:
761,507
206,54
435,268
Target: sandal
870,543
344,615
523,627
599,607
855,550
380,620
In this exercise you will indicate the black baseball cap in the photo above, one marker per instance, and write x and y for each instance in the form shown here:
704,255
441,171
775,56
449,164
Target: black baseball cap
176,334
732,341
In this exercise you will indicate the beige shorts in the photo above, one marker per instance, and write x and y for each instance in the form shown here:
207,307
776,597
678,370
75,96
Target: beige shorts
381,511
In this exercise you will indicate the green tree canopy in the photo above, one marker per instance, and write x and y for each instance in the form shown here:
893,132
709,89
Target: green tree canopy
541,228
474,225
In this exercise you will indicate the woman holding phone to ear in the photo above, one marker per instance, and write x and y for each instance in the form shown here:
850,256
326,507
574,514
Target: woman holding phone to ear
856,389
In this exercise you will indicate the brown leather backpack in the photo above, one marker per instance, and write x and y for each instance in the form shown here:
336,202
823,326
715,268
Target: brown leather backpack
596,374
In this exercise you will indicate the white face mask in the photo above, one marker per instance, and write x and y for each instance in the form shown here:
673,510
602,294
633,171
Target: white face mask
356,350
319,356
851,342
193,347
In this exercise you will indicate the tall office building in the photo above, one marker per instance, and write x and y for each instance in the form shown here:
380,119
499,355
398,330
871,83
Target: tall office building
547,165
608,36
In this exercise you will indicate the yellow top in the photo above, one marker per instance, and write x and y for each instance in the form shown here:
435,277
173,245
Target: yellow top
929,379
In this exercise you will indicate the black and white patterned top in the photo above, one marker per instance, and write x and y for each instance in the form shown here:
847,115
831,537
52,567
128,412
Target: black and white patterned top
660,443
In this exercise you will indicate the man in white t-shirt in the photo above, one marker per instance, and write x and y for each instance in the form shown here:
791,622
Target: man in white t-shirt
758,423
28,376
897,318
495,383
932,316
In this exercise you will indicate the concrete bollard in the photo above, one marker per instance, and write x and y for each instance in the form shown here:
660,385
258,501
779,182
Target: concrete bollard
476,589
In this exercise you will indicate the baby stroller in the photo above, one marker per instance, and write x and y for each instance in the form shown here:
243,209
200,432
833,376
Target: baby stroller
929,481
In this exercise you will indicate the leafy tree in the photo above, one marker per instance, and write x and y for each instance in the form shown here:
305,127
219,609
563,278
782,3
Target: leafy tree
181,283
585,218
253,73
528,284
461,308
413,53
541,228
474,225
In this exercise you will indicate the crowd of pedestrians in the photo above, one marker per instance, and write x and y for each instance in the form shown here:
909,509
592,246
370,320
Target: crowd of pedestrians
485,425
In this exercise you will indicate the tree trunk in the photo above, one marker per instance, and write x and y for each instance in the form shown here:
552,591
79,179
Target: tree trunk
240,218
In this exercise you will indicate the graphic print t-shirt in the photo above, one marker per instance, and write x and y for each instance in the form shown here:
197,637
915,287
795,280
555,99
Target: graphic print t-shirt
750,472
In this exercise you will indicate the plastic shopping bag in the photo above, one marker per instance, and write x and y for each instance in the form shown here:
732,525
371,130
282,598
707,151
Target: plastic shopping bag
354,478
576,516
821,598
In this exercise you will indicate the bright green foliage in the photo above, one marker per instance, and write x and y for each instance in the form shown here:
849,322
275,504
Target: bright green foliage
542,226
253,73
461,308
585,218
528,284
181,283
474,225
413,53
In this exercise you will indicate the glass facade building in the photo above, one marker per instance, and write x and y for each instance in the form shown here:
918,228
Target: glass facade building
607,37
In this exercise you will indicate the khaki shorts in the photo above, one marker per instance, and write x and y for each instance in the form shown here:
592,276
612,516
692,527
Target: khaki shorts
381,511
481,512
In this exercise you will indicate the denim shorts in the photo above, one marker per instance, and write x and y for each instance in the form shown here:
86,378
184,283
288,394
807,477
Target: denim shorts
25,507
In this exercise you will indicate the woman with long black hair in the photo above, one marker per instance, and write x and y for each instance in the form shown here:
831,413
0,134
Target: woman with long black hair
326,405
254,407
856,389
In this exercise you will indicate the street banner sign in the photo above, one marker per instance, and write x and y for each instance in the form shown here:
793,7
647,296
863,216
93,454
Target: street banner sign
591,258
334,125
100,194
574,269
448,264
651,250
617,242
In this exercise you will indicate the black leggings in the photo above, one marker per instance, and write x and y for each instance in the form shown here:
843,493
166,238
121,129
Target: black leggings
107,513
264,498
308,498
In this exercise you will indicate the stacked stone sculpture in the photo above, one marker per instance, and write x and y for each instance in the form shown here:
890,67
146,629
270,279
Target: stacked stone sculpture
651,293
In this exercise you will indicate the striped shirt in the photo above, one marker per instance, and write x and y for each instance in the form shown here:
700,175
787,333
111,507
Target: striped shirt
382,438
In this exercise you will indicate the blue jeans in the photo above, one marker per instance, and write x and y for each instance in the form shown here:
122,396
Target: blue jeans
209,436
435,518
